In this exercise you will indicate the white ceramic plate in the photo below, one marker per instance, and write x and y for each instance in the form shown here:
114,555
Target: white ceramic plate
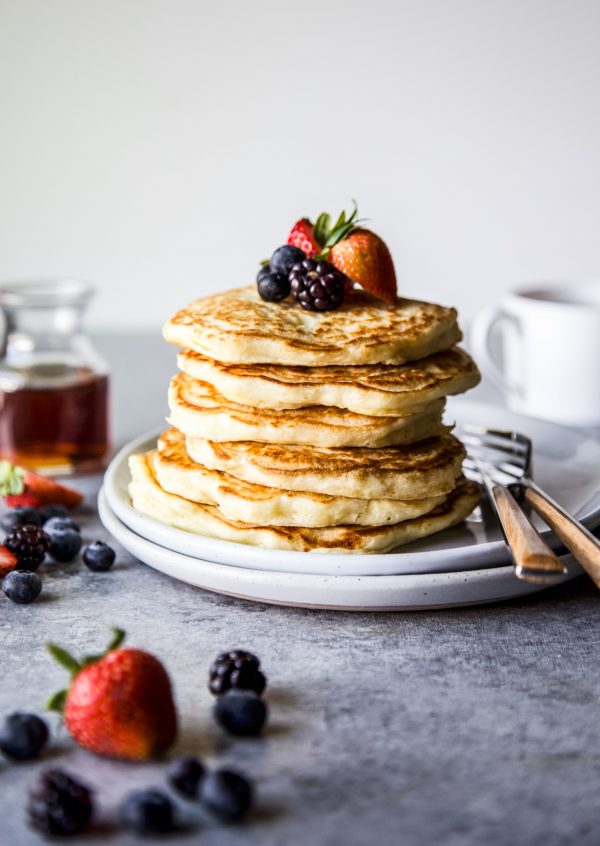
344,593
566,462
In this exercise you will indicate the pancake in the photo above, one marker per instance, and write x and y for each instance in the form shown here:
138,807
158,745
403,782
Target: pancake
383,389
151,500
238,326
198,410
176,473
424,469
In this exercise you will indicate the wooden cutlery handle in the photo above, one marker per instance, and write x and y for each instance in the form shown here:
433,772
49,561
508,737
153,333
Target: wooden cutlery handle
534,560
584,546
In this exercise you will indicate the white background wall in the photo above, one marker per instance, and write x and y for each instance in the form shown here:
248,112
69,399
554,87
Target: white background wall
162,147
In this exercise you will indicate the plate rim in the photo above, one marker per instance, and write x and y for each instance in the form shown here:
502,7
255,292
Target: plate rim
492,553
131,541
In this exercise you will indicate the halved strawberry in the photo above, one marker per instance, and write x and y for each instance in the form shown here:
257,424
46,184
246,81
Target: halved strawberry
19,486
8,561
302,236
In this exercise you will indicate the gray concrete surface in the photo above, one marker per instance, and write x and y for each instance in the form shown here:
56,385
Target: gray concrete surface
471,726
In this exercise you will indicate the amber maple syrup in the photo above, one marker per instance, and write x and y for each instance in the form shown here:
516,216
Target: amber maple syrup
58,428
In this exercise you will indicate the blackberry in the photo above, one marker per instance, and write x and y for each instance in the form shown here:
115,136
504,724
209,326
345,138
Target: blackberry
317,285
237,670
273,287
58,804
284,258
30,544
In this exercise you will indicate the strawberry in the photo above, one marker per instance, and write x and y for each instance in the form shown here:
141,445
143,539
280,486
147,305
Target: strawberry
19,486
302,236
119,704
8,561
365,259
360,254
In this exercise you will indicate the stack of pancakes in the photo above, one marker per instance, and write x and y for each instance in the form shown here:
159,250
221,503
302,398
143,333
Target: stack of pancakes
310,431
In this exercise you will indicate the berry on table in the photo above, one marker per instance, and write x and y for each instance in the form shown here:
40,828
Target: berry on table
23,736
65,543
274,287
185,774
236,669
8,561
21,516
58,804
19,486
147,812
22,586
227,794
284,258
317,285
118,703
98,556
58,522
241,712
53,509
30,544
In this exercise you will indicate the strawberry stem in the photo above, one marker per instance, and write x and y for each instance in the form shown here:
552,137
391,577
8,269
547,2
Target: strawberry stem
117,640
64,658
57,701
12,479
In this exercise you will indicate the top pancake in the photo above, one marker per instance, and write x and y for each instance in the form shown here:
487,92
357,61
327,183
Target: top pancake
239,327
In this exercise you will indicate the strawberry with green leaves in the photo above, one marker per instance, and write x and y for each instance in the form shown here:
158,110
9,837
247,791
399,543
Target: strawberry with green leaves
357,252
119,704
21,487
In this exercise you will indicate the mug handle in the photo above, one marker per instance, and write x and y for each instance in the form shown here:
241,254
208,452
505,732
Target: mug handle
480,333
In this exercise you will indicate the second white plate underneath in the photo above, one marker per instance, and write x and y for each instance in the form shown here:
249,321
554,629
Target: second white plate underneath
566,463
337,593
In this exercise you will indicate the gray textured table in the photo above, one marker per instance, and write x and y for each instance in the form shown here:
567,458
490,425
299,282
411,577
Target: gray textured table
470,726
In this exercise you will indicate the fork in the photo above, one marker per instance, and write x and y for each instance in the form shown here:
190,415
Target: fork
506,458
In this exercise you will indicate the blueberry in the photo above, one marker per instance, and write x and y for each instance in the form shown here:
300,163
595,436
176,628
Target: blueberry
284,258
264,271
185,774
58,522
274,287
23,515
147,812
98,556
64,544
241,712
59,804
22,586
227,794
53,510
23,736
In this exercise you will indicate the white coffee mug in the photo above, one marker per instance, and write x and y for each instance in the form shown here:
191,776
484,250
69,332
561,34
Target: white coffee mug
550,345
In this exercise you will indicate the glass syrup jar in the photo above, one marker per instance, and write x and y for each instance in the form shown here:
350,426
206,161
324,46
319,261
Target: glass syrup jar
54,414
